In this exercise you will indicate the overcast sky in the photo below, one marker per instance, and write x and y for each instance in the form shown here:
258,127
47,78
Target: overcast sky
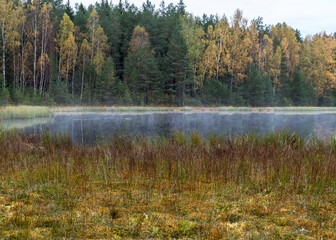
309,16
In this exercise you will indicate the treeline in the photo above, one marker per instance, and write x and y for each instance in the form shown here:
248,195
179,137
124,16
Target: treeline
120,54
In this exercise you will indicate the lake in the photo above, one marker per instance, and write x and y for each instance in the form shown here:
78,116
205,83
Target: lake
88,128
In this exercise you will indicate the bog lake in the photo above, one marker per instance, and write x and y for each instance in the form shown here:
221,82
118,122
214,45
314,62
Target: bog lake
92,127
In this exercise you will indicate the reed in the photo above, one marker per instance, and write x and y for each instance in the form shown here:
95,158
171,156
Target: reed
273,187
24,112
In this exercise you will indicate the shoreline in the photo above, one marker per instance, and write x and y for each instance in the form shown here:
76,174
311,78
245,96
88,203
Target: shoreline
31,112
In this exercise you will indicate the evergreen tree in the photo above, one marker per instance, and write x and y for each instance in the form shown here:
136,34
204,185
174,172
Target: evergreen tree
259,89
300,90
215,93
105,92
81,17
69,11
109,19
178,67
141,71
285,83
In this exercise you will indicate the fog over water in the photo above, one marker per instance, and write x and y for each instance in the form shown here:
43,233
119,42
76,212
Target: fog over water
88,128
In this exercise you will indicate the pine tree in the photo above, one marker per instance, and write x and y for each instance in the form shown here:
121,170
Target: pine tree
215,93
303,93
69,11
258,89
81,17
179,69
141,71
285,83
105,84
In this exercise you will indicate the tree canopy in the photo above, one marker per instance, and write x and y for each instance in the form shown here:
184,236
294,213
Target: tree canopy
120,54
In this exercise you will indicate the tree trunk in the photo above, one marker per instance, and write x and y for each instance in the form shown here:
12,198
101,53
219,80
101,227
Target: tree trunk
35,48
3,61
67,71
21,80
59,66
14,69
73,75
83,73
42,62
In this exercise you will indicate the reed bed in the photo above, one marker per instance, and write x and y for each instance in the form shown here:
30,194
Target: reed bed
279,186
187,109
24,112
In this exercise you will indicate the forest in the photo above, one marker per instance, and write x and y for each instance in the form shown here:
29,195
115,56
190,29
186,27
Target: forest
119,54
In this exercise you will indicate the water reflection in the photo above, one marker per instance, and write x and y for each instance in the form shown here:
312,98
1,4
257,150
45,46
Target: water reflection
89,128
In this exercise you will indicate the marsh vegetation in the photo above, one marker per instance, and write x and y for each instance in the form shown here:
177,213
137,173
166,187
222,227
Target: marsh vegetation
276,186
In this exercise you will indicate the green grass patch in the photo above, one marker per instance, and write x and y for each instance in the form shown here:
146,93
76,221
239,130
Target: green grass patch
25,112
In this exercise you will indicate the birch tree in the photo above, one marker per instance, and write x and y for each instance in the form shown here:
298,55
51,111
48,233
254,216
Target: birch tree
46,27
84,53
8,23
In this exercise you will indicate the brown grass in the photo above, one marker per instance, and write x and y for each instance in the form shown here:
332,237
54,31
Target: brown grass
273,187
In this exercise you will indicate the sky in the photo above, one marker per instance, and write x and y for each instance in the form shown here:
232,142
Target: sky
309,16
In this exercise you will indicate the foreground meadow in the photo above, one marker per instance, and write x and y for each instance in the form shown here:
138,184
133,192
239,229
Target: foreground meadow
275,187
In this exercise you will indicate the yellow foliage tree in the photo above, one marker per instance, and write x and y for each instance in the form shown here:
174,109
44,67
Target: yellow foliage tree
46,28
140,39
290,46
209,58
67,46
318,62
8,26
101,49
238,48
84,53
255,48
98,41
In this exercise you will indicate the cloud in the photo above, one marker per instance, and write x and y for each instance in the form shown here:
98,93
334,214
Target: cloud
309,16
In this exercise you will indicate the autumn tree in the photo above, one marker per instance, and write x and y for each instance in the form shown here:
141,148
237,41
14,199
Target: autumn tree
318,62
238,49
209,57
34,7
290,46
68,50
84,54
8,25
46,28
24,44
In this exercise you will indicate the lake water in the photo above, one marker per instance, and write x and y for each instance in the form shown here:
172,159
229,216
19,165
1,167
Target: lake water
89,128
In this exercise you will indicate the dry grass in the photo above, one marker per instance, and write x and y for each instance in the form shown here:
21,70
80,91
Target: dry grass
275,187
